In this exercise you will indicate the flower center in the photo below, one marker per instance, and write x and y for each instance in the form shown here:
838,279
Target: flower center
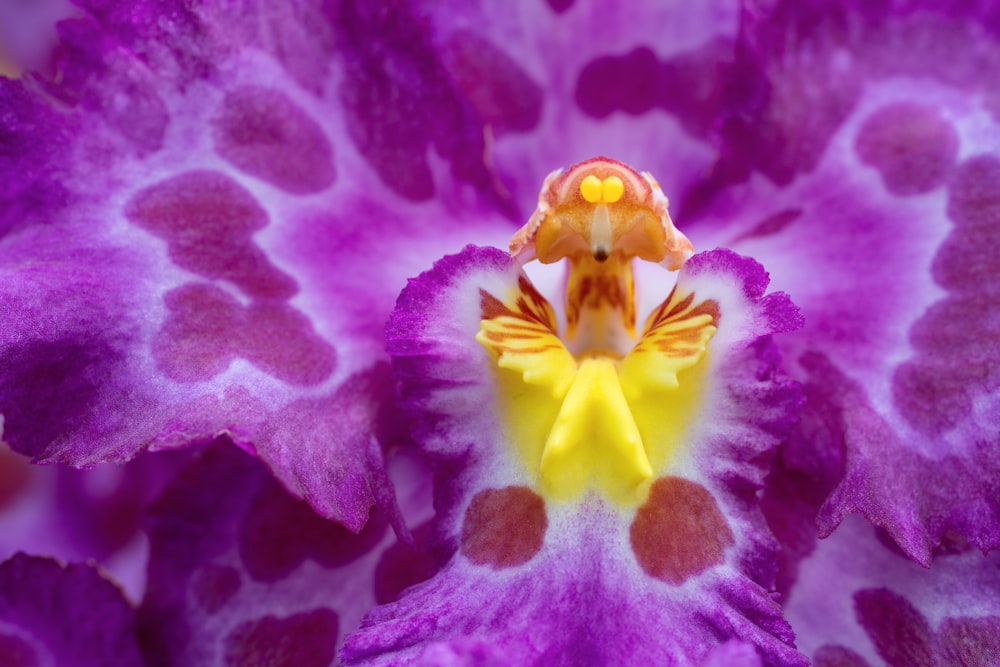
586,411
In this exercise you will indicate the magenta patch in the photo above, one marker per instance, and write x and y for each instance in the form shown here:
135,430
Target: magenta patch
956,357
214,586
15,652
911,145
559,6
206,328
263,133
498,88
504,527
679,531
899,631
279,532
970,642
837,656
638,82
208,220
402,566
308,639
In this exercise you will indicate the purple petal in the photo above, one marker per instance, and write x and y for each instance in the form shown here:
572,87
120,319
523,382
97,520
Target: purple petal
870,199
860,601
80,515
53,614
241,572
564,581
212,182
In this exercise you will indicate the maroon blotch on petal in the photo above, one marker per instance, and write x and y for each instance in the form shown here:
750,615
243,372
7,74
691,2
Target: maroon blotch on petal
402,566
208,220
837,656
899,631
679,531
953,341
214,586
279,532
308,639
970,642
911,145
497,86
265,134
206,328
504,527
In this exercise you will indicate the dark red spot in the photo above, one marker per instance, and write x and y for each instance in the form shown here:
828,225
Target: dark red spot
15,652
265,134
206,328
772,224
400,100
504,527
956,357
279,532
679,531
498,88
208,221
214,586
837,656
911,145
15,474
899,631
308,639
970,642
402,566
639,81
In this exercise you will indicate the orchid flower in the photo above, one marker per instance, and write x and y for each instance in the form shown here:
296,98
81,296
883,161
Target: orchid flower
533,333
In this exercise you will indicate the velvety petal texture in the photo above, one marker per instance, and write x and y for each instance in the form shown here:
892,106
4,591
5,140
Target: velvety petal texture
861,602
241,573
588,581
56,614
871,199
194,184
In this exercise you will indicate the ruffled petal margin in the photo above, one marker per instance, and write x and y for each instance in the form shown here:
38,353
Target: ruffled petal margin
242,573
55,614
872,200
588,582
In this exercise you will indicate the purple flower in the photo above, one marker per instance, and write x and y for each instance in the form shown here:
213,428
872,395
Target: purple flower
209,213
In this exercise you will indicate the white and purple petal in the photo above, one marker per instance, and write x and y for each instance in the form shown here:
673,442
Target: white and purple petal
242,573
871,200
588,582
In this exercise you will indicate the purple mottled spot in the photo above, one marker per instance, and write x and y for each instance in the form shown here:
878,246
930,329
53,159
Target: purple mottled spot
954,340
559,6
899,631
308,639
639,81
970,642
207,220
214,586
400,100
206,328
772,224
402,566
265,134
279,532
15,652
47,390
911,145
497,87
837,656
